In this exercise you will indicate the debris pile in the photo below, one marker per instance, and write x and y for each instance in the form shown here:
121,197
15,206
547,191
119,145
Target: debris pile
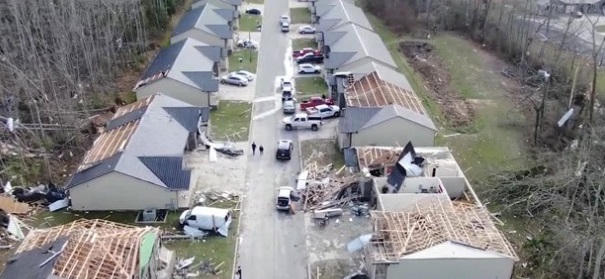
211,197
26,202
227,148
325,189
186,269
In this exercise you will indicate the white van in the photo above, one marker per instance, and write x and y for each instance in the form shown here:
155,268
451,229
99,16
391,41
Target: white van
207,218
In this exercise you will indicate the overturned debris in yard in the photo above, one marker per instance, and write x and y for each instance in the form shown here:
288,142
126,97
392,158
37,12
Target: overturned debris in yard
186,269
325,189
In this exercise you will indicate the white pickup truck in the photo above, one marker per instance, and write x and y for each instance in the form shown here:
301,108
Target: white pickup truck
302,121
324,111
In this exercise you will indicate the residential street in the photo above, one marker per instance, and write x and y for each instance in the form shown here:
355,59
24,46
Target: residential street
272,244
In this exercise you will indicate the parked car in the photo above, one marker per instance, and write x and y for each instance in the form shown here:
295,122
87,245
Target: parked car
310,58
302,121
284,19
324,111
306,29
286,84
289,107
247,44
285,27
308,69
284,150
306,50
248,75
253,11
284,198
234,80
315,101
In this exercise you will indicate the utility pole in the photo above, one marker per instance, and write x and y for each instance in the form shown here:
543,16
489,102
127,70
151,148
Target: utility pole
250,48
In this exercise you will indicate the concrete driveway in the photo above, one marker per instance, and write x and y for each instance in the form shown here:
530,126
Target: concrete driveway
272,244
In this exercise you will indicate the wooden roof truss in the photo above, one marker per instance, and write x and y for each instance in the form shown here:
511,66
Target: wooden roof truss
433,222
95,249
372,156
371,91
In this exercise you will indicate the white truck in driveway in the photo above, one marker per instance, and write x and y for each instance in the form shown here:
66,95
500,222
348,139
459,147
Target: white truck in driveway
324,111
302,121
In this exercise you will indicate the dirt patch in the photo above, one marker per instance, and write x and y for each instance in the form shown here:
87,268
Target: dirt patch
421,56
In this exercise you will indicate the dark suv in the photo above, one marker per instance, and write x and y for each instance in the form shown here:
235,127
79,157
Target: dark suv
284,150
310,58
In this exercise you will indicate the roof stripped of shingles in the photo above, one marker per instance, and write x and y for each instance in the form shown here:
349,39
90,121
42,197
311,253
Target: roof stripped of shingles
372,91
114,140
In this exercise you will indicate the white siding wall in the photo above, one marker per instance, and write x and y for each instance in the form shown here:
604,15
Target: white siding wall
200,36
494,268
116,191
177,90
395,132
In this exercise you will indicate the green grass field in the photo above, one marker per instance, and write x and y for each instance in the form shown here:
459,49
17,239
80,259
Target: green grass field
231,121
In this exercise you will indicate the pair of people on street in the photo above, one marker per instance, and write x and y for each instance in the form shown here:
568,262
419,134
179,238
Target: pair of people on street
260,149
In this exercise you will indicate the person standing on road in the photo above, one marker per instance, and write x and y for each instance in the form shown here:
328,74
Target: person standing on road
253,148
239,272
261,149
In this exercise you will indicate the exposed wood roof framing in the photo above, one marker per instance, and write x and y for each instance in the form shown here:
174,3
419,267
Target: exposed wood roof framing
372,91
372,156
95,249
113,141
435,221
109,144
134,106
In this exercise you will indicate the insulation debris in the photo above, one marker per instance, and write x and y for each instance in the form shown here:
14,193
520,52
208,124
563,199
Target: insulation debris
12,206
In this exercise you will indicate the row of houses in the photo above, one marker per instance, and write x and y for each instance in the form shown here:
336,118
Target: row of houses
428,222
144,145
380,106
188,69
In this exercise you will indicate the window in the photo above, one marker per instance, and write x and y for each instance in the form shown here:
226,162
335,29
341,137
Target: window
192,218
303,120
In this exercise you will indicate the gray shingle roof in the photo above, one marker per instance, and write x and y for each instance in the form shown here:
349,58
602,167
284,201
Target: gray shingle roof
395,111
188,61
363,42
223,4
355,118
205,18
126,118
162,134
169,170
336,59
322,8
228,14
28,264
341,14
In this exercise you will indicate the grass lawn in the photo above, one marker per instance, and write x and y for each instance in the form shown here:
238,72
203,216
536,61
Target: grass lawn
600,28
248,23
300,15
326,150
231,121
310,86
249,60
216,249
303,43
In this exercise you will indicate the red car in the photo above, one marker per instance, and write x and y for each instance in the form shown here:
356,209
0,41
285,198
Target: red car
315,101
306,50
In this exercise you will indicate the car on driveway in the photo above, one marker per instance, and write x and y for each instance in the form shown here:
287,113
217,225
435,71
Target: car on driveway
310,58
253,11
306,29
315,101
234,79
306,50
324,111
248,75
308,69
284,150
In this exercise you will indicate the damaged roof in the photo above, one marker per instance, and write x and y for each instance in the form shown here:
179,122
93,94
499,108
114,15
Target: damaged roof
84,249
127,148
188,61
206,19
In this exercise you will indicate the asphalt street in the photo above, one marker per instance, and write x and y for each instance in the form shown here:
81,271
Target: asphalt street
272,243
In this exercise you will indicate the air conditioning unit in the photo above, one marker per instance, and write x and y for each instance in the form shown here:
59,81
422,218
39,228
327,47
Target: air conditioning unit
149,215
